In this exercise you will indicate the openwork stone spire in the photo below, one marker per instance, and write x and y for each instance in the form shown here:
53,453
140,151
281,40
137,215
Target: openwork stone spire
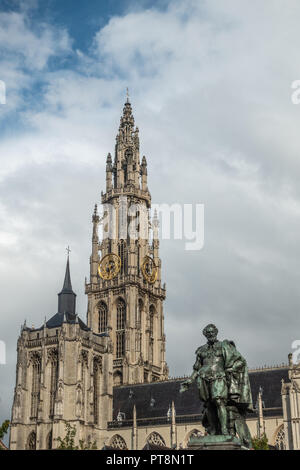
126,170
125,292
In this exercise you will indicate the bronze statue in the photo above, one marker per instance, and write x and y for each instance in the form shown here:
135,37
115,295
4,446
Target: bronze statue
222,379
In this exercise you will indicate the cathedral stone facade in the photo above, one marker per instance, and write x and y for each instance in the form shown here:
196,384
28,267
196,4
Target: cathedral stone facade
291,406
109,377
64,374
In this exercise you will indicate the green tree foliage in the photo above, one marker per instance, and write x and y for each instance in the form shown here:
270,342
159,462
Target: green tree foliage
260,443
4,428
68,442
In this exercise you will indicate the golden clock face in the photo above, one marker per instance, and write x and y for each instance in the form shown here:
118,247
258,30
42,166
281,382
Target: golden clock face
109,266
149,269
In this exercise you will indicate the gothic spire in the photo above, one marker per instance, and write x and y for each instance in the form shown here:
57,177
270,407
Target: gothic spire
126,128
126,168
67,298
127,118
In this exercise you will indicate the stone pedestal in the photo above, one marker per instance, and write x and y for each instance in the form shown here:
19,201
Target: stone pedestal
215,443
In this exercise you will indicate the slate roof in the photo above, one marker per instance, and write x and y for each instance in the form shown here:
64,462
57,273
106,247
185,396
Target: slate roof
153,400
59,318
270,381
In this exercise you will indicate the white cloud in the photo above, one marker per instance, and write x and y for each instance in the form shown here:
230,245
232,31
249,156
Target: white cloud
210,85
32,49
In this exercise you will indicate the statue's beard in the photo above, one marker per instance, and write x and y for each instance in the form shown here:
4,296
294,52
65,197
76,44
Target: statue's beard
212,340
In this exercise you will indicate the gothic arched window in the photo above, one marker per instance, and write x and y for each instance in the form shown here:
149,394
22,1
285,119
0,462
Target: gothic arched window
117,442
35,387
138,341
102,324
121,314
53,379
120,330
96,371
84,366
280,439
122,255
151,318
127,161
118,378
156,439
151,328
139,314
137,248
31,441
138,324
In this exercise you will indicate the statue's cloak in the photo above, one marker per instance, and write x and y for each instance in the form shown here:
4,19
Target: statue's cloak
238,379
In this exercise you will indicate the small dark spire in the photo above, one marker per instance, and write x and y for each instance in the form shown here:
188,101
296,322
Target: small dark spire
67,282
67,298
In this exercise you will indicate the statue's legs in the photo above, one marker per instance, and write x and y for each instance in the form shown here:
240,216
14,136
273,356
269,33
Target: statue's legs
219,395
222,415
211,418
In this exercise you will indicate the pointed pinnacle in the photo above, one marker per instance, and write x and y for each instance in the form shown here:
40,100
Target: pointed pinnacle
95,214
67,281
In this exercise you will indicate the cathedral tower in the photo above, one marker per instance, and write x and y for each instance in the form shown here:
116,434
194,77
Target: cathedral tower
125,296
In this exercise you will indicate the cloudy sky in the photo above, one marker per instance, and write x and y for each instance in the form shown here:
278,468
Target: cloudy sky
210,85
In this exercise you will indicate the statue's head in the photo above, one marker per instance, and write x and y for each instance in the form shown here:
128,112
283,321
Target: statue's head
210,332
